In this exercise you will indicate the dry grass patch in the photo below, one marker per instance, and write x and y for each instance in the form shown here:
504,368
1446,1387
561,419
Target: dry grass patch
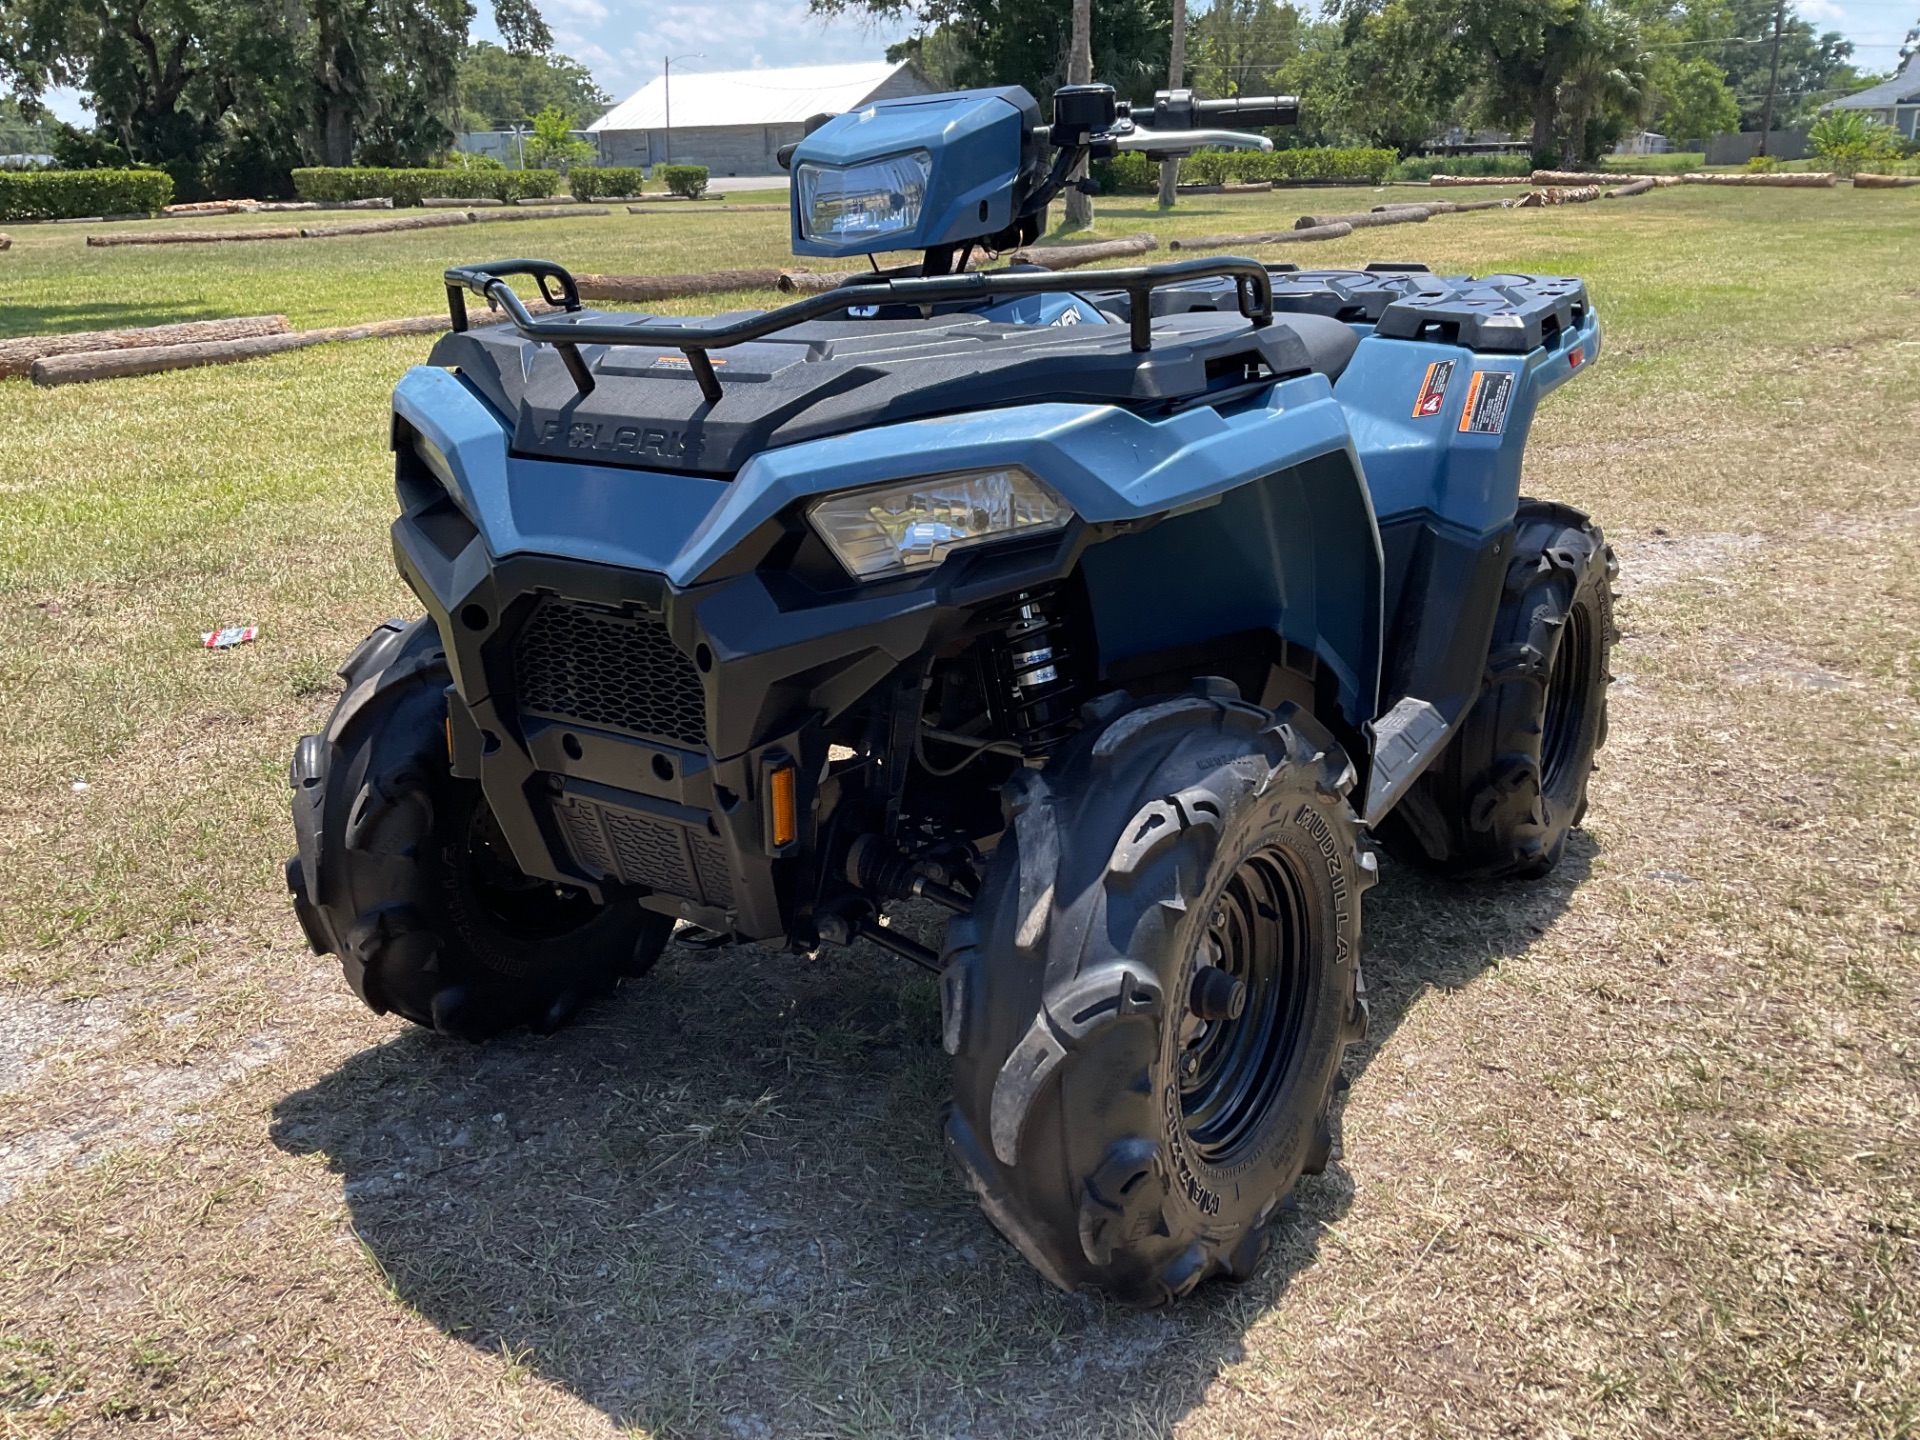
1629,1152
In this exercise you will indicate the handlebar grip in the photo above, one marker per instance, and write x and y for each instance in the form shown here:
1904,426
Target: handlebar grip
1255,110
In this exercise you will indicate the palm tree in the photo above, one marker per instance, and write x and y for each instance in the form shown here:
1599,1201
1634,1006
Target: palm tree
1604,71
1080,72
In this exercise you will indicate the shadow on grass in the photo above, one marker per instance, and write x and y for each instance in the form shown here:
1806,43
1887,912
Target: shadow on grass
23,320
720,1205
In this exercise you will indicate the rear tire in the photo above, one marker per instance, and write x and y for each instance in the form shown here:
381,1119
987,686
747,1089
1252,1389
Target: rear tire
1119,1139
403,874
1511,785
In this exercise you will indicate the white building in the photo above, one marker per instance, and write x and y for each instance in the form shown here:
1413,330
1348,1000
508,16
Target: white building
734,121
1894,102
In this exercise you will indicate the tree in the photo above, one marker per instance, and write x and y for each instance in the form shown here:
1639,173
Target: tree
552,146
1080,72
1239,45
963,43
235,92
1176,79
500,89
1691,97
1814,68
1604,77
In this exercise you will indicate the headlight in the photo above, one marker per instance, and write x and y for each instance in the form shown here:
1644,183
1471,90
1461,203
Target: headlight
863,202
912,524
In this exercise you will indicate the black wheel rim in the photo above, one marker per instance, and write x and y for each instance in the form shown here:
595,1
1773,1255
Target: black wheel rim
523,906
1567,684
1232,1072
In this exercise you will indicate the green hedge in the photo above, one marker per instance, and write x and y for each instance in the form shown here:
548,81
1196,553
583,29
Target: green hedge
1237,167
591,182
1425,167
65,194
687,180
409,187
1128,173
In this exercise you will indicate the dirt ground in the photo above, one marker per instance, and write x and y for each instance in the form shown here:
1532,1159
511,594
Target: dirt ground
1633,1151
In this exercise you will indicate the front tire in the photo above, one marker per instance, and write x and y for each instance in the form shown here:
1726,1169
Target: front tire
1511,785
403,873
1150,1002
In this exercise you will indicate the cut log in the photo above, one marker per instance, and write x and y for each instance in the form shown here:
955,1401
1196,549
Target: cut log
1862,182
1622,192
1464,206
812,282
79,368
1249,187
546,200
1443,180
381,227
6,242
1432,207
1066,257
1791,180
1537,199
654,209
1269,237
672,287
565,212
442,202
197,237
17,355
1364,219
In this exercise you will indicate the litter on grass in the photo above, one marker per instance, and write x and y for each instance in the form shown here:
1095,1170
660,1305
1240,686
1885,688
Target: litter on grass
228,638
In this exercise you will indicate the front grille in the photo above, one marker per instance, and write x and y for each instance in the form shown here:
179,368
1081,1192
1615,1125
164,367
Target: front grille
636,848
572,663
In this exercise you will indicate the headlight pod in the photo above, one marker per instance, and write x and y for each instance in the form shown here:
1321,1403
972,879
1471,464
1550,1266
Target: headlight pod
869,201
908,525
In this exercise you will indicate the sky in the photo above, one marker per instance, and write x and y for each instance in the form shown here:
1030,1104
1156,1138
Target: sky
624,41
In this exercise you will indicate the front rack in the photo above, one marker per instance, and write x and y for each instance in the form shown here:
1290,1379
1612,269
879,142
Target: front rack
1252,285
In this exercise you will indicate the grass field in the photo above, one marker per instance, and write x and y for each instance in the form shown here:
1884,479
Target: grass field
1633,1151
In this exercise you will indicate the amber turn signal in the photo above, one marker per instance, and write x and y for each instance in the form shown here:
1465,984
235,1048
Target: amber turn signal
782,806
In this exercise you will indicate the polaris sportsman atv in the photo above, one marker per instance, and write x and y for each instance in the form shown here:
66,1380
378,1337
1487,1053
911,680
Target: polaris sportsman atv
1112,615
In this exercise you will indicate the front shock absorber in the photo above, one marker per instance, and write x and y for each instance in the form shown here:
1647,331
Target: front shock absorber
1035,683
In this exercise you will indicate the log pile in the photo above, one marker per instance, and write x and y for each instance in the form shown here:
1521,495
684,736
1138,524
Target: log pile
1067,257
1262,237
17,356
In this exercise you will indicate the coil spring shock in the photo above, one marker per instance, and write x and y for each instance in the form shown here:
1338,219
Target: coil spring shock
1036,682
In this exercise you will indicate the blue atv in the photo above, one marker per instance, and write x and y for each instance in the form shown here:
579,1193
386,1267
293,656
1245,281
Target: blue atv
1113,616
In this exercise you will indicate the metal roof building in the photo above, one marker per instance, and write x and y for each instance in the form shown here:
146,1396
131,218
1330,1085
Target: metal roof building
1894,102
734,121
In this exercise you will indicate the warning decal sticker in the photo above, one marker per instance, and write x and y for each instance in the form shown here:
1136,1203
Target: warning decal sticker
1488,396
1433,390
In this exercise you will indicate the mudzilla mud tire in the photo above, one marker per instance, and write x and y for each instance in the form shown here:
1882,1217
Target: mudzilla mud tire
404,876
1511,785
1179,849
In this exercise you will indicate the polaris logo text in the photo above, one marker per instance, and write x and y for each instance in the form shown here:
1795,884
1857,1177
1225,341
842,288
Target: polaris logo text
673,445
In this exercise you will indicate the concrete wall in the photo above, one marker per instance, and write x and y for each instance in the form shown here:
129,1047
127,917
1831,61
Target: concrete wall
1739,147
723,149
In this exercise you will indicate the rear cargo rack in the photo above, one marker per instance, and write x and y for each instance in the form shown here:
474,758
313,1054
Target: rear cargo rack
1252,284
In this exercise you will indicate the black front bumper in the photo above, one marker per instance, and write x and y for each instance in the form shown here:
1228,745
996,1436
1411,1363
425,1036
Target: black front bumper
623,729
